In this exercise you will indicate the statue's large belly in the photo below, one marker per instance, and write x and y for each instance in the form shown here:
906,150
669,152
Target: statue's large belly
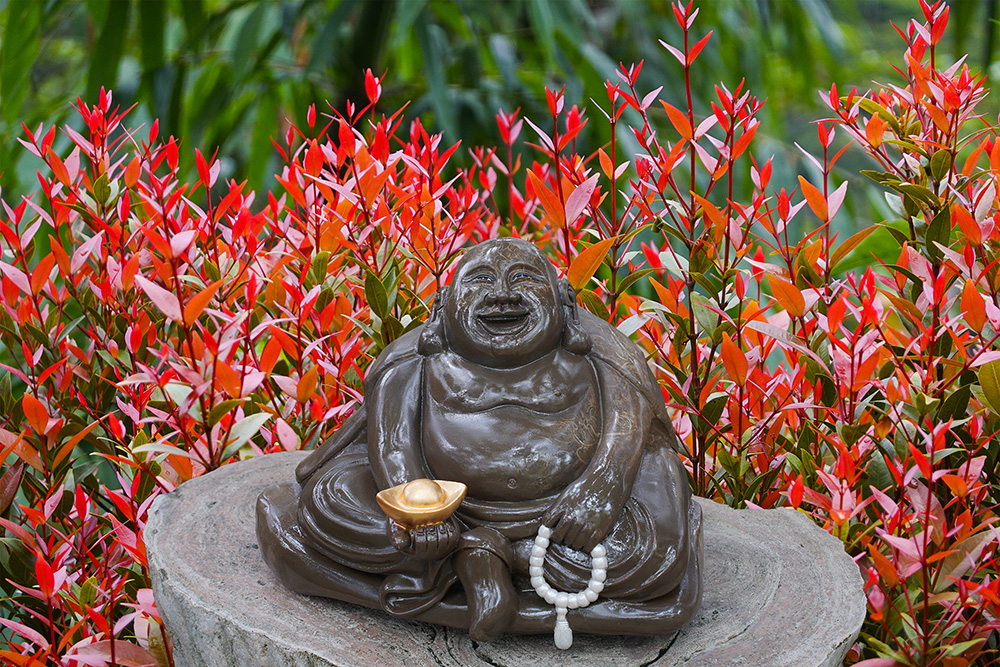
510,452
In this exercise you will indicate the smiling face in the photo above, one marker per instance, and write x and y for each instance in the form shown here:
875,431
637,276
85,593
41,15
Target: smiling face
503,308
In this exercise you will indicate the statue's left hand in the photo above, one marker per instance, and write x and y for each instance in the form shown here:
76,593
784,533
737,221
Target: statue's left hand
586,511
427,542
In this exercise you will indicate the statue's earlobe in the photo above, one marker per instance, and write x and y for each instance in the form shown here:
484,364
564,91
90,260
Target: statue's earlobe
432,339
575,338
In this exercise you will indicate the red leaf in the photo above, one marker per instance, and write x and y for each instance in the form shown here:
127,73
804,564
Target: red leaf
696,49
41,273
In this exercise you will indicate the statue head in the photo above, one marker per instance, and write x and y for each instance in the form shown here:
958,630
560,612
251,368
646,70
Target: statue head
505,307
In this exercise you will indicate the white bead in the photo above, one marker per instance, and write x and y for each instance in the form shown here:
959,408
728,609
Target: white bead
536,561
581,598
544,531
599,563
598,552
596,586
550,595
538,581
590,594
535,571
599,575
541,543
562,599
572,602
537,552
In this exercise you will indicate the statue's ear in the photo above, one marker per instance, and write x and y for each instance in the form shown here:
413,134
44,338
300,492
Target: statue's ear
432,339
575,338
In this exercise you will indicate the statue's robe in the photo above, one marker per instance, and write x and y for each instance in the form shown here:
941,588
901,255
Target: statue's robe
336,528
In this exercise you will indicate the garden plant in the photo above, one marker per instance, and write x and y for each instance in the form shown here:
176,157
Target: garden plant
152,330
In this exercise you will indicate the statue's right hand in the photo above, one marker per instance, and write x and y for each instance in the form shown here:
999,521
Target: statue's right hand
426,542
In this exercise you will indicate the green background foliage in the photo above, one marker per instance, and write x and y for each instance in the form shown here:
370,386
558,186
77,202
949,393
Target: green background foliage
232,74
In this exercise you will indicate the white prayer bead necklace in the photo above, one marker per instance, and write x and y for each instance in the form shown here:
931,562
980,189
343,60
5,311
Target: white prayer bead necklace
563,634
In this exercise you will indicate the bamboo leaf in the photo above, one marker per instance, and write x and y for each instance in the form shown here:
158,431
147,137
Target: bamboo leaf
109,46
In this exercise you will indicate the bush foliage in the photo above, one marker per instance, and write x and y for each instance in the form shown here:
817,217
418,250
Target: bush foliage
153,329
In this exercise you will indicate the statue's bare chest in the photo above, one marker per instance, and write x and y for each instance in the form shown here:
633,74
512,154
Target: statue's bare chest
510,434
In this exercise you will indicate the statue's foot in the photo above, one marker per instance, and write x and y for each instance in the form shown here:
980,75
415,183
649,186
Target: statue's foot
483,566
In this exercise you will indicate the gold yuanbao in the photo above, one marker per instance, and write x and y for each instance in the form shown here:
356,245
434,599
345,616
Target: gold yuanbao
421,502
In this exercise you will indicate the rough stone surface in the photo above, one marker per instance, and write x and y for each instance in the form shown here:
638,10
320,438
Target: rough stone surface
779,592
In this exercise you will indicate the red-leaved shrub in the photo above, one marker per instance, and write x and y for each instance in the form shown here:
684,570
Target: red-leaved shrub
152,329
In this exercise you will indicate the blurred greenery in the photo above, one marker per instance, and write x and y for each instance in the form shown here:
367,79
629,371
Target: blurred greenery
233,73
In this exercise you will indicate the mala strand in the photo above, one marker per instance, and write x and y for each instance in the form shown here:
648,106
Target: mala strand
563,634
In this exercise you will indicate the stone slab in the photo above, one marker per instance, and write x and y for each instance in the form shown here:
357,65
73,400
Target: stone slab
778,592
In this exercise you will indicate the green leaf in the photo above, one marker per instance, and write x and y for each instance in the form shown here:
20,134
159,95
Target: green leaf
631,278
594,304
989,380
940,164
938,233
850,244
376,296
704,315
956,405
221,409
244,429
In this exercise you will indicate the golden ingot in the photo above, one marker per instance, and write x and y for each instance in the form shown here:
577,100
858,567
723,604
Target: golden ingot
422,502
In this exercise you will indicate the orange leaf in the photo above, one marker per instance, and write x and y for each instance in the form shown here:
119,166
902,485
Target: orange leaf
550,202
734,360
307,385
606,165
269,357
885,568
788,296
59,169
667,297
194,307
817,202
35,413
229,379
584,265
875,130
967,223
679,120
19,660
973,306
714,216
132,172
17,444
41,273
68,447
